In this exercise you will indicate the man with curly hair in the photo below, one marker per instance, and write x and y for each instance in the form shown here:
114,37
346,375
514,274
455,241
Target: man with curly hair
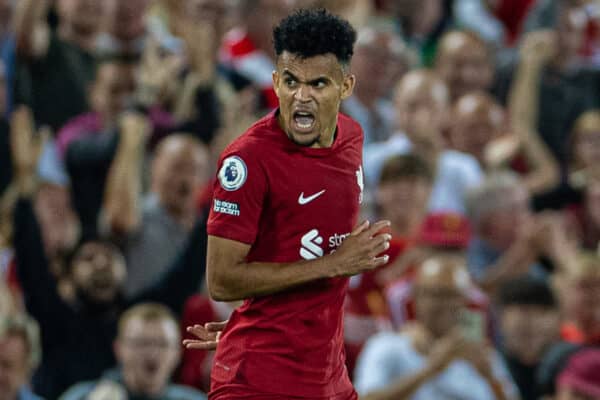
282,230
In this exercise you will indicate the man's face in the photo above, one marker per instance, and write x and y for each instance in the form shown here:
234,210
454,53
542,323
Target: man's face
126,19
528,330
587,147
377,66
178,172
404,203
148,352
582,303
98,271
474,125
82,15
503,225
465,65
14,370
310,91
421,106
571,31
113,86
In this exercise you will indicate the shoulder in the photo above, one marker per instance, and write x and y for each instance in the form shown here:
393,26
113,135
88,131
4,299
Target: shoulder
258,138
179,392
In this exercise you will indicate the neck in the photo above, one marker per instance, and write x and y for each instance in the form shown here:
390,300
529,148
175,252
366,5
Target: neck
141,390
184,218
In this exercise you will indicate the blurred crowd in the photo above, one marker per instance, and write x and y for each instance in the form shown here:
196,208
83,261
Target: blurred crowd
481,124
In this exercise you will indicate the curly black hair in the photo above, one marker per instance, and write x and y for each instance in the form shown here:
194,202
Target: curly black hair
309,33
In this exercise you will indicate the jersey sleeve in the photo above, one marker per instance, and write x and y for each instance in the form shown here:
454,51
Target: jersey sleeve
238,197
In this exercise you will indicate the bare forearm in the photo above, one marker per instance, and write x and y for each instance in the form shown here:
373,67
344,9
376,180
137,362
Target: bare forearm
404,387
256,279
122,196
523,103
544,172
514,261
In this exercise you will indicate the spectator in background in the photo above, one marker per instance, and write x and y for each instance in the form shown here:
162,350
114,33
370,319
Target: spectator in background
479,127
432,358
52,62
579,293
585,218
529,325
124,27
19,356
401,198
422,105
580,379
464,61
154,228
247,48
380,59
77,333
551,86
147,349
585,148
7,54
509,240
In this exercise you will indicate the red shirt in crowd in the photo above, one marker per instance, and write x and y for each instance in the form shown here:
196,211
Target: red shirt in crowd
288,203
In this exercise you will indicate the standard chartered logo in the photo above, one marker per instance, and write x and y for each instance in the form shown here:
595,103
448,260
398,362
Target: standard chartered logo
311,245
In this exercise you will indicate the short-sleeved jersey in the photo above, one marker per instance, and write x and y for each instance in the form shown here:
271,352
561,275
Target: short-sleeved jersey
289,203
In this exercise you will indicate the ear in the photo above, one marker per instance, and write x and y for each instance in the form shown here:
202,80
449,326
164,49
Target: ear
276,79
348,85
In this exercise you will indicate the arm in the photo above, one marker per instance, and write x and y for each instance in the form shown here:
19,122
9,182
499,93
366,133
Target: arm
231,278
523,98
544,174
31,29
123,188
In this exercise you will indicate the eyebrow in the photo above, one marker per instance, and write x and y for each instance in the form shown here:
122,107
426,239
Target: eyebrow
312,81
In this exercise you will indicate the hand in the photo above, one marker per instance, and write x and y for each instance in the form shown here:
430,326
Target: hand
208,335
201,46
539,47
26,146
359,251
446,350
156,73
478,355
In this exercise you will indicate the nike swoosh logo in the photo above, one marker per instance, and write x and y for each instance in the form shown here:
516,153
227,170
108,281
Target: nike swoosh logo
304,200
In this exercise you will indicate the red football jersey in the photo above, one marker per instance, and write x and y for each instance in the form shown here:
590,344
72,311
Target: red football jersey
289,203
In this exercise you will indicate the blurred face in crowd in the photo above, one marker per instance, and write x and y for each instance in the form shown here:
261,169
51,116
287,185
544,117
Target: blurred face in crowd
262,17
571,27
98,272
586,140
404,203
502,226
310,91
426,16
464,63
211,12
126,19
527,330
378,62
6,10
14,366
439,293
148,352
476,120
57,220
179,169
581,302
421,101
83,16
113,86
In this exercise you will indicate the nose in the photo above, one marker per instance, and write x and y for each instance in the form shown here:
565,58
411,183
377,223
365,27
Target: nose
303,93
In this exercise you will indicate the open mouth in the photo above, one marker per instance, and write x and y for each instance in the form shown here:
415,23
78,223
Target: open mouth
304,121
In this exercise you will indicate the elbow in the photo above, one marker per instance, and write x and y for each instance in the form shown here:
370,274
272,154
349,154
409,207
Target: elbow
220,290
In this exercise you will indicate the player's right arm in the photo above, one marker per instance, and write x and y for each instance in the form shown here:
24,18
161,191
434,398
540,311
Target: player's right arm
231,278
